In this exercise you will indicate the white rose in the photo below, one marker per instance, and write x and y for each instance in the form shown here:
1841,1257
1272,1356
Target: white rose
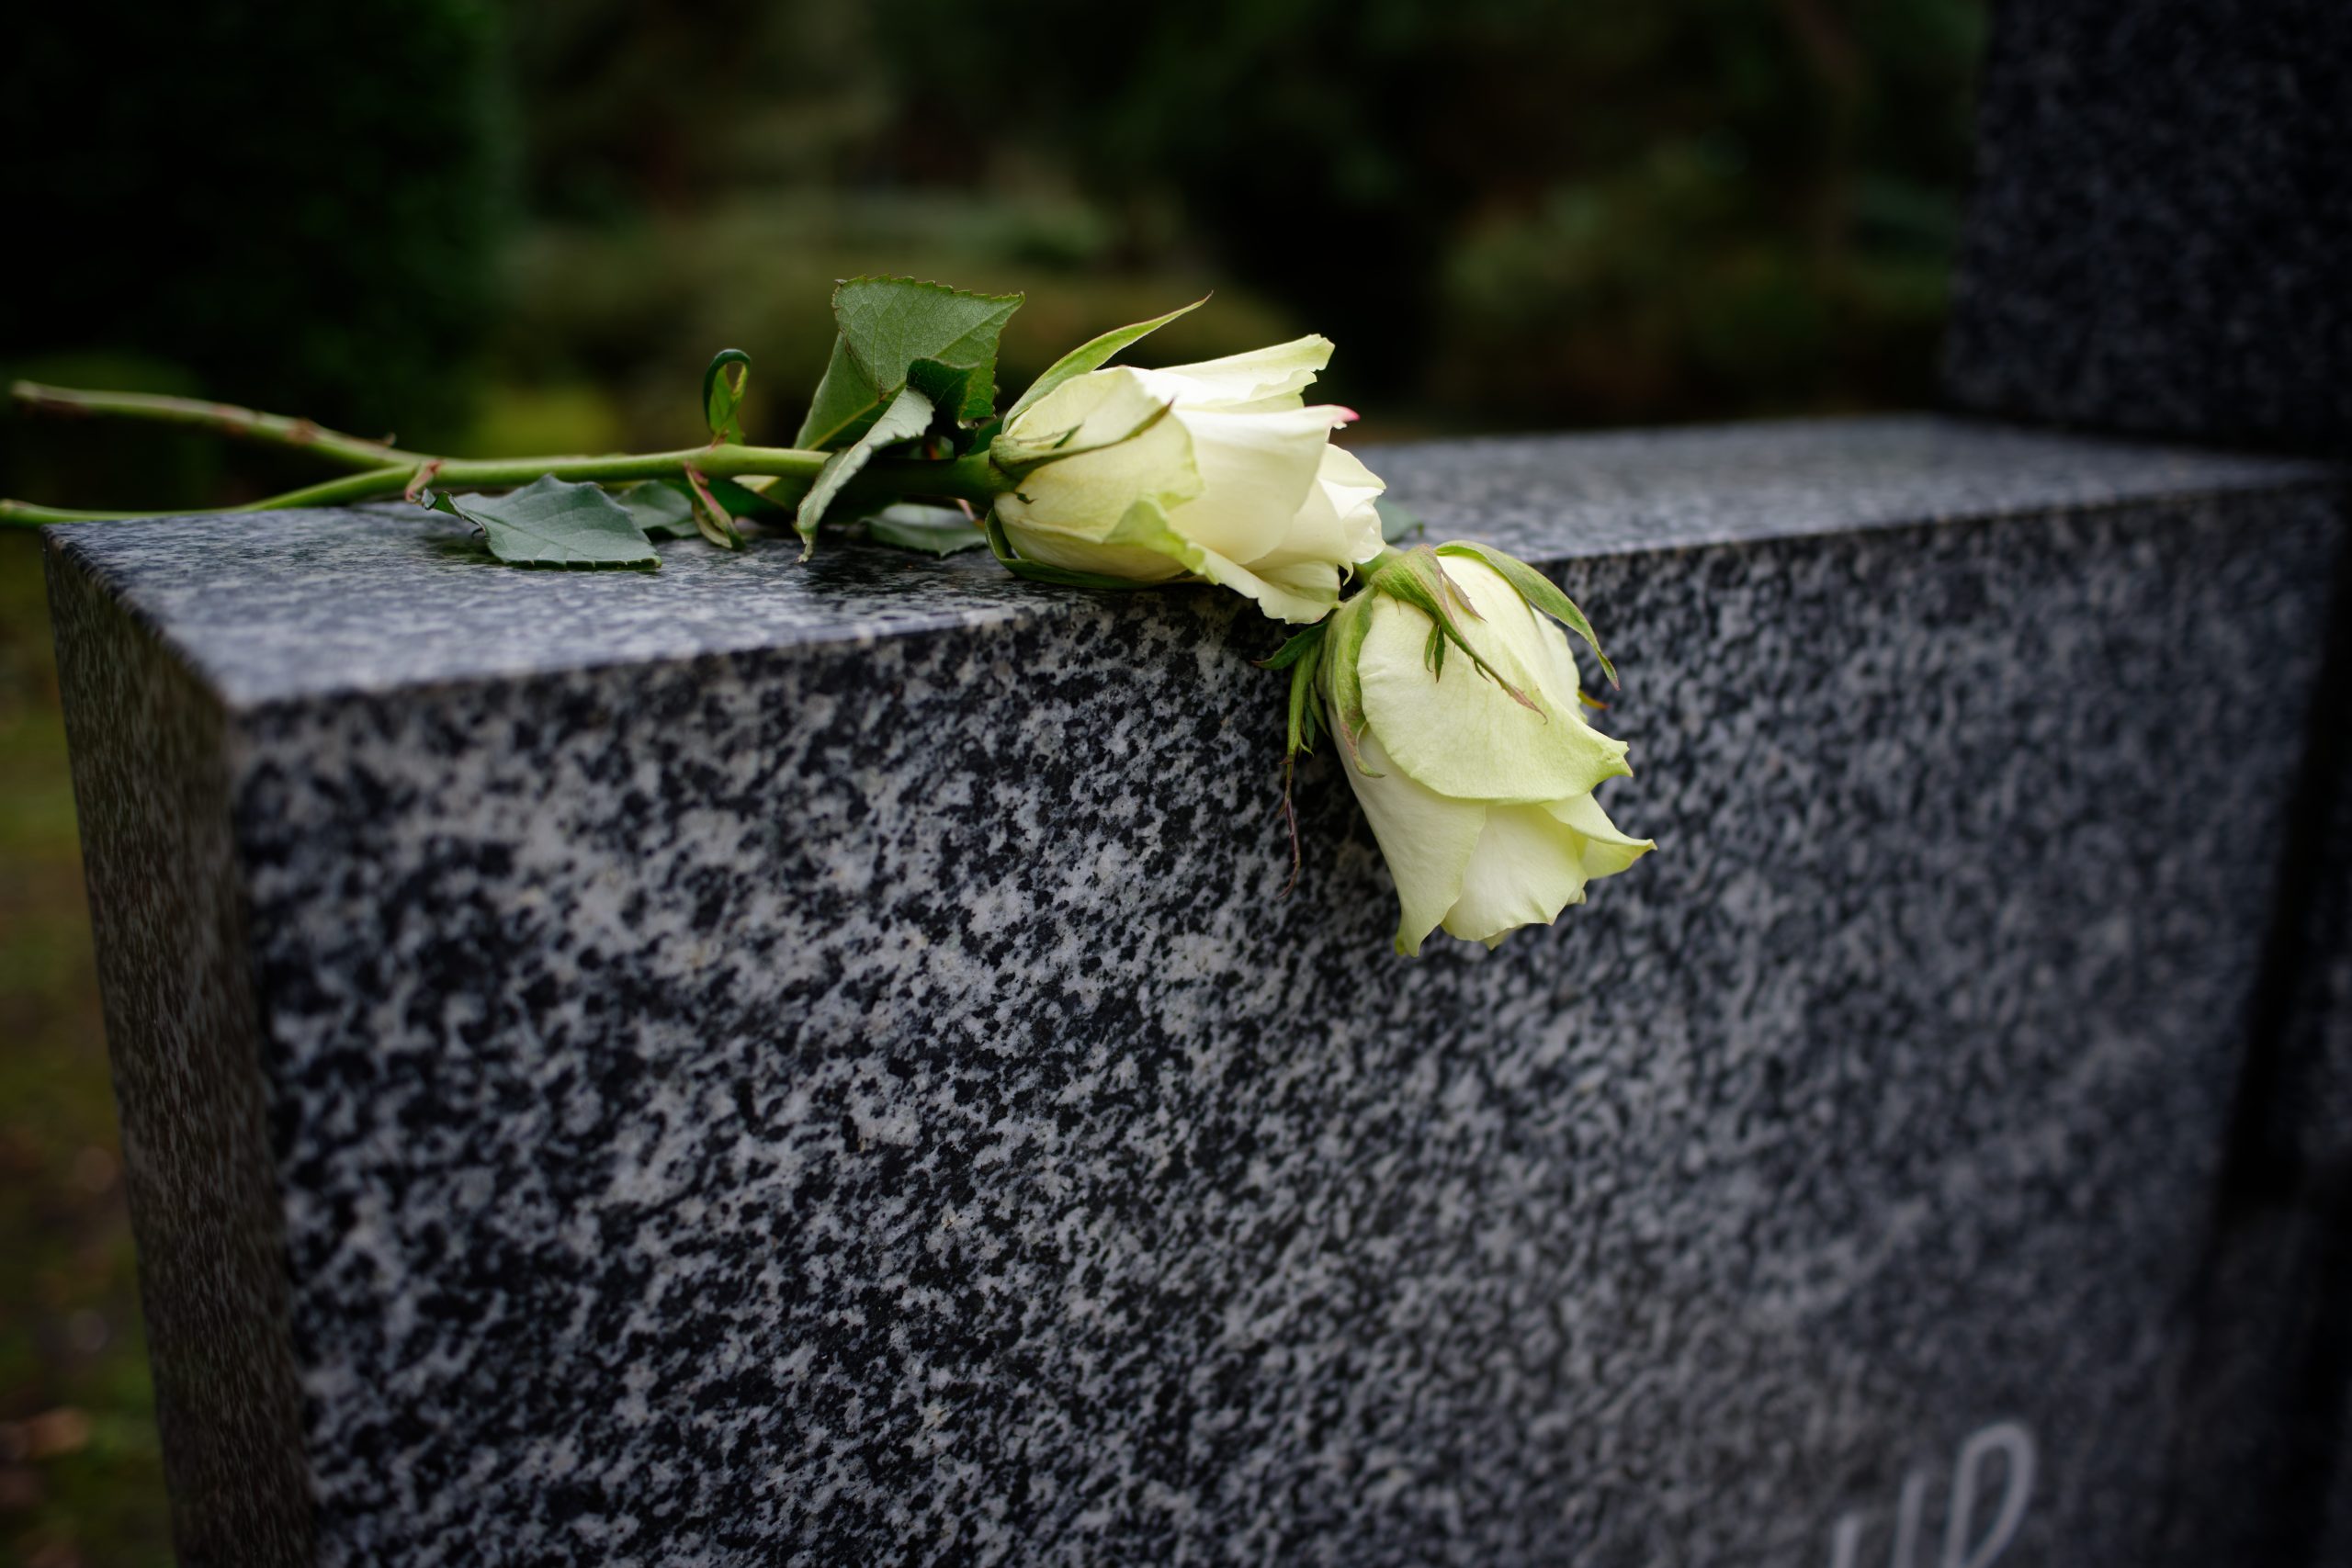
1482,802
1217,469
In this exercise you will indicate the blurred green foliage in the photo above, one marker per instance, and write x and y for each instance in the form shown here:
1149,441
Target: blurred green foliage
1510,213
1537,212
81,1477
517,228
290,204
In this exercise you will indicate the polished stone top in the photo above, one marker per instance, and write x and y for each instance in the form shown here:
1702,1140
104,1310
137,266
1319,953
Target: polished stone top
289,605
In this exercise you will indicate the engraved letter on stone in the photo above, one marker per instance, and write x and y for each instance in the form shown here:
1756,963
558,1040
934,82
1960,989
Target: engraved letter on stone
2015,1444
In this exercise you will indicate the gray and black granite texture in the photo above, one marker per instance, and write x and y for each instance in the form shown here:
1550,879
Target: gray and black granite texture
2162,214
2276,1301
772,1064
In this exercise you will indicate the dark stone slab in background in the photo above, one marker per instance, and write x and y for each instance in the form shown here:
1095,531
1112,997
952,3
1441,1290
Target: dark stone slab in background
2276,1298
763,1059
2160,242
2161,237
2316,1103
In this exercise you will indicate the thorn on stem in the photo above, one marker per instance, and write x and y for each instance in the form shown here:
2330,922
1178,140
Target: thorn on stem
1290,820
37,400
427,472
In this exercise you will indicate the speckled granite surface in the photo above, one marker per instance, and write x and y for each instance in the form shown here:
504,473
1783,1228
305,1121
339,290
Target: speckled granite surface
777,1064
2162,214
152,777
311,605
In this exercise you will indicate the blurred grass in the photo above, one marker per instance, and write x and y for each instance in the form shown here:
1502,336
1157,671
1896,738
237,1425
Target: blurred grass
609,325
81,1475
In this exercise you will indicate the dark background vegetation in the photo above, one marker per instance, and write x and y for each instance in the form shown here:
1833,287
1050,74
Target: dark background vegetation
522,228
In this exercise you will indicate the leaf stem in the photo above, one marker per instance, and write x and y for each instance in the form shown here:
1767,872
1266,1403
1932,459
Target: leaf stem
343,491
223,419
972,477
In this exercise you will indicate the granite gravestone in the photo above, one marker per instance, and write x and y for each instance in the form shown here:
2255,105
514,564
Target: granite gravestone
2160,232
761,1063
2158,243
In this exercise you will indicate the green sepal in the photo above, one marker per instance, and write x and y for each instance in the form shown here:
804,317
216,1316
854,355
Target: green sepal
665,508
554,522
1293,649
1414,577
926,530
1020,458
887,325
1040,571
1093,354
1397,521
722,394
712,520
1537,590
1300,733
1342,681
1301,654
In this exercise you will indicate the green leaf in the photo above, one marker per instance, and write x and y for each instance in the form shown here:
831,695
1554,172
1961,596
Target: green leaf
949,388
908,416
660,508
553,523
722,393
1537,590
1396,521
846,399
741,499
929,530
887,325
1092,355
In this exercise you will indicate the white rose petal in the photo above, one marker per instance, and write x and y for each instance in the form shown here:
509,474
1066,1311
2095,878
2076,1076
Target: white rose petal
1426,839
1085,496
1462,735
1261,379
1483,807
1236,482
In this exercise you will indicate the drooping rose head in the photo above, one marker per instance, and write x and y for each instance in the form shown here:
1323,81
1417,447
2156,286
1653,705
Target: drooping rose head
1467,745
1218,470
